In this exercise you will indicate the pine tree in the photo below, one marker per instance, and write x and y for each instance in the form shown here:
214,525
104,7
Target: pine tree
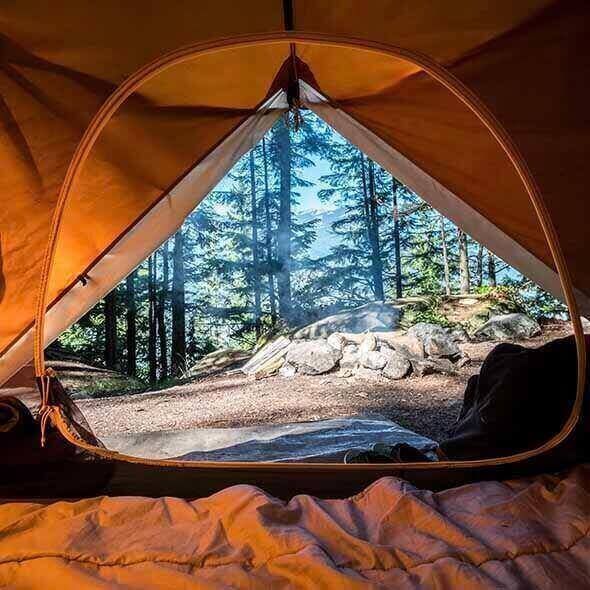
464,278
373,231
282,139
255,246
445,256
110,329
268,229
131,324
178,353
491,270
356,265
395,187
152,328
161,311
479,268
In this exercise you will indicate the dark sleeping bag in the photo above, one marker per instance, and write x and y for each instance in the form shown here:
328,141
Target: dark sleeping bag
520,399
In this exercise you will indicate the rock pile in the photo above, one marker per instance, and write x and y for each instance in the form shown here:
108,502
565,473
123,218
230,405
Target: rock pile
424,349
368,342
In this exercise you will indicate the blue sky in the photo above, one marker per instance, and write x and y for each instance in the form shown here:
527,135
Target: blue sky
309,195
309,198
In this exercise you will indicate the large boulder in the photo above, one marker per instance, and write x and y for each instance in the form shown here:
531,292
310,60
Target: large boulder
441,346
511,326
422,330
349,360
438,342
397,367
427,366
368,344
313,357
378,316
408,346
337,341
373,359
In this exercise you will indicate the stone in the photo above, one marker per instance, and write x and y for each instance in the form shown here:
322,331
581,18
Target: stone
378,316
349,360
440,346
313,357
288,370
337,341
373,359
459,335
367,374
409,346
397,366
510,326
423,329
268,354
368,344
344,373
219,360
463,360
350,349
428,366
269,368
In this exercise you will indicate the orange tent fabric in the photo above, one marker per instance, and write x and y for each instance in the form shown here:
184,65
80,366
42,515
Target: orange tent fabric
528,61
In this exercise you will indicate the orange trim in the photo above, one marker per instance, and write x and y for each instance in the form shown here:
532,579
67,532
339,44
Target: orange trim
434,69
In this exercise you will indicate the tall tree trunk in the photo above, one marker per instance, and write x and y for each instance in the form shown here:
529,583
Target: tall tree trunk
396,242
110,329
366,198
131,321
152,331
464,279
376,262
284,230
162,298
445,255
178,360
480,266
491,270
268,239
255,259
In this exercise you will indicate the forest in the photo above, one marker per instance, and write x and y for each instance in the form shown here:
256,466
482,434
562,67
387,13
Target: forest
303,225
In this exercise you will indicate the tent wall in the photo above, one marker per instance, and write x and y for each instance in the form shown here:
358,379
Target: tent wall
162,220
527,60
543,103
441,198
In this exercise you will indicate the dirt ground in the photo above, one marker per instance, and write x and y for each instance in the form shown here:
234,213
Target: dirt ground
427,405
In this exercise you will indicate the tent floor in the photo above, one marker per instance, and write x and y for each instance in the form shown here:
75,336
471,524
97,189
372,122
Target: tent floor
319,441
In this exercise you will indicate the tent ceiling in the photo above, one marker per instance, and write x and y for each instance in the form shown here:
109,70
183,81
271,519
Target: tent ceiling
526,60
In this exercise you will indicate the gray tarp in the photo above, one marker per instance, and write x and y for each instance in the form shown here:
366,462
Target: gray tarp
325,440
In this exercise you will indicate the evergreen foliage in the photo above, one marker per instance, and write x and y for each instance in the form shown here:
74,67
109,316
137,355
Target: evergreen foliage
245,261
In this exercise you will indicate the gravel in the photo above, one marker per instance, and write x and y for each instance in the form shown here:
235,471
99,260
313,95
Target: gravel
427,405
